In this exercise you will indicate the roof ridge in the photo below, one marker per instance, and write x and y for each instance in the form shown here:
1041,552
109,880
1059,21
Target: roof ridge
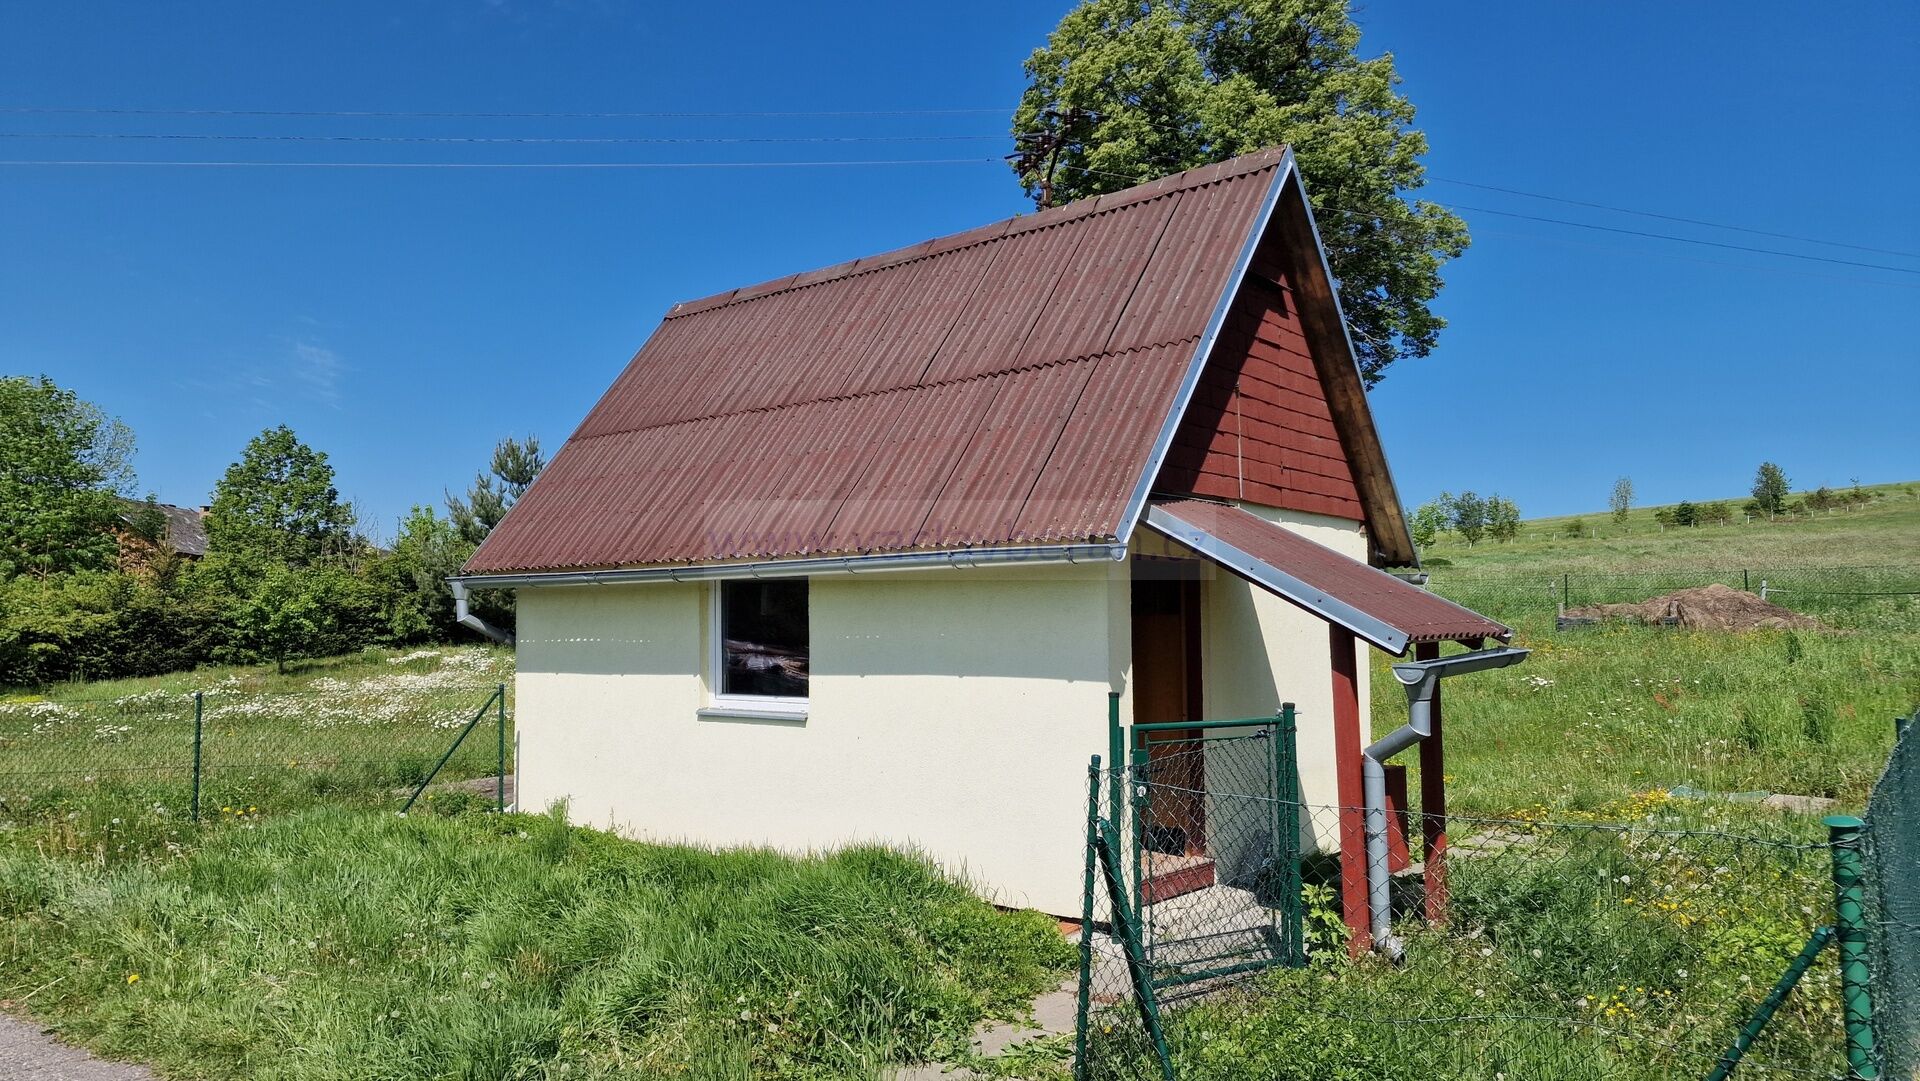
933,385
1199,176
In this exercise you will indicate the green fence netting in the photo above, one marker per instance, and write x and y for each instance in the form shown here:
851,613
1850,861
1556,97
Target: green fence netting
1640,945
1892,850
233,749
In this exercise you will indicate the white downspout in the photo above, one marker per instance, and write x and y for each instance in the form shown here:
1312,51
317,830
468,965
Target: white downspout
468,619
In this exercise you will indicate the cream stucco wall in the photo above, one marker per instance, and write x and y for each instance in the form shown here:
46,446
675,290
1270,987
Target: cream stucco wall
950,710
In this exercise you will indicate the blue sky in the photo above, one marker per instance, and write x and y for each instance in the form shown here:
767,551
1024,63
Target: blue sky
404,320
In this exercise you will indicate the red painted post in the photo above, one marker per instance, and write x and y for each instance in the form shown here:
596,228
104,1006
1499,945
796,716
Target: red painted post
1433,804
1348,788
1398,811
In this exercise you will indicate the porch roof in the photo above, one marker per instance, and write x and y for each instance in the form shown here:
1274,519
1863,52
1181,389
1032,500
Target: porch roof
1386,611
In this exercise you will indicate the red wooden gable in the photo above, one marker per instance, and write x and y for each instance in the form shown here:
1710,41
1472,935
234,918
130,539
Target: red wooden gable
1259,429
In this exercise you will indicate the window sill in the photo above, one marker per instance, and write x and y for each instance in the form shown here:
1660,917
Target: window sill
769,714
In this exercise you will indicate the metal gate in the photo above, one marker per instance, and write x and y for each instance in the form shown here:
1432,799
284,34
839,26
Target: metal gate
1192,877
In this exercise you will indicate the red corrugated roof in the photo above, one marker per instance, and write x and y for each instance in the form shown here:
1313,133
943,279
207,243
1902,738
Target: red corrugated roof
1002,386
1388,611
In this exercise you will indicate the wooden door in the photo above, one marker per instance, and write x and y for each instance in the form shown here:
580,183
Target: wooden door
1166,688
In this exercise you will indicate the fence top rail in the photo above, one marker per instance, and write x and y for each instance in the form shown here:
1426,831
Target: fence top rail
1187,726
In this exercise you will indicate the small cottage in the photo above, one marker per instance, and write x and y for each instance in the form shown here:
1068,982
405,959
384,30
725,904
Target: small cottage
859,554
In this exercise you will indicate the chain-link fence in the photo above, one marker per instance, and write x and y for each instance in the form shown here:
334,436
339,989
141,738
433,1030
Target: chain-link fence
237,749
1892,857
1854,598
1554,949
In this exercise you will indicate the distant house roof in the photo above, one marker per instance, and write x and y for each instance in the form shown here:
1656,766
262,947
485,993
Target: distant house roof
1014,385
186,526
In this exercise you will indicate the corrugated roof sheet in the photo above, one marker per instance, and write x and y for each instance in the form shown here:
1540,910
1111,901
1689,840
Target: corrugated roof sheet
997,387
1385,610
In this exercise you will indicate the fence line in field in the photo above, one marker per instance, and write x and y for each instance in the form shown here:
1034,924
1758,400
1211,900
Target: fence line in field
1876,597
214,751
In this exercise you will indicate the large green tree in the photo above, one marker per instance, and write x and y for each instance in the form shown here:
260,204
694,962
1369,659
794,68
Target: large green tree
63,467
1125,91
278,503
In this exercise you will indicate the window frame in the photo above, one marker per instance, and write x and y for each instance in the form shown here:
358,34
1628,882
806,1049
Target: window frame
748,706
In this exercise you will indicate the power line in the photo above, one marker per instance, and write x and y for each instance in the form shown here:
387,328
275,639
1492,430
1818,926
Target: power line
86,110
1672,217
496,164
589,139
95,162
794,114
1683,239
1614,229
1660,253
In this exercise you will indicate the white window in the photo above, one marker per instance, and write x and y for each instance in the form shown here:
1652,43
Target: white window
760,650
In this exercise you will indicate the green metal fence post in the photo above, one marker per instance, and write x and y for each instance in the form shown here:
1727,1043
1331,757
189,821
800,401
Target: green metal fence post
1292,907
1126,928
1085,997
1771,1004
500,782
1116,759
1850,928
199,717
1138,807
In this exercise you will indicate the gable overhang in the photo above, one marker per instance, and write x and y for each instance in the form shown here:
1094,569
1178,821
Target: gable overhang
1383,610
1325,324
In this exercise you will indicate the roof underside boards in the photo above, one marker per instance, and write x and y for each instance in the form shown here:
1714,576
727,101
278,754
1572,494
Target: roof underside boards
1003,386
1384,610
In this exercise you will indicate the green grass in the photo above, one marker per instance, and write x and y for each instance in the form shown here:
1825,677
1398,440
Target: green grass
281,940
353,728
340,943
1601,713
1885,531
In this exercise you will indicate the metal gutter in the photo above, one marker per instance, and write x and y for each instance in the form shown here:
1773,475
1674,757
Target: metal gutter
1422,681
793,568
1266,575
1203,351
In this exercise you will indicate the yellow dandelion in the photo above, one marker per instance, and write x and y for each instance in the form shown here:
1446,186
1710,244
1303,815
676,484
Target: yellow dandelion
133,977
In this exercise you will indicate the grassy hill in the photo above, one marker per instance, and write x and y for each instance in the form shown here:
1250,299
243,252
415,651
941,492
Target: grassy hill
1885,531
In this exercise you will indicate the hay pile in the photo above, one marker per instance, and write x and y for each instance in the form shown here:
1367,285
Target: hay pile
1710,608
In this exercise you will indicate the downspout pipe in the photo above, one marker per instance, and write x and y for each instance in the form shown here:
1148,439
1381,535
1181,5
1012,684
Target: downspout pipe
1422,681
467,619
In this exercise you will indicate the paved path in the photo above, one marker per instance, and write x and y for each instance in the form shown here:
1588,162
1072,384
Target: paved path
1052,1014
28,1054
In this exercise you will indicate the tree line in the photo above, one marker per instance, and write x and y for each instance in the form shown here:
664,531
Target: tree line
91,588
1471,517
